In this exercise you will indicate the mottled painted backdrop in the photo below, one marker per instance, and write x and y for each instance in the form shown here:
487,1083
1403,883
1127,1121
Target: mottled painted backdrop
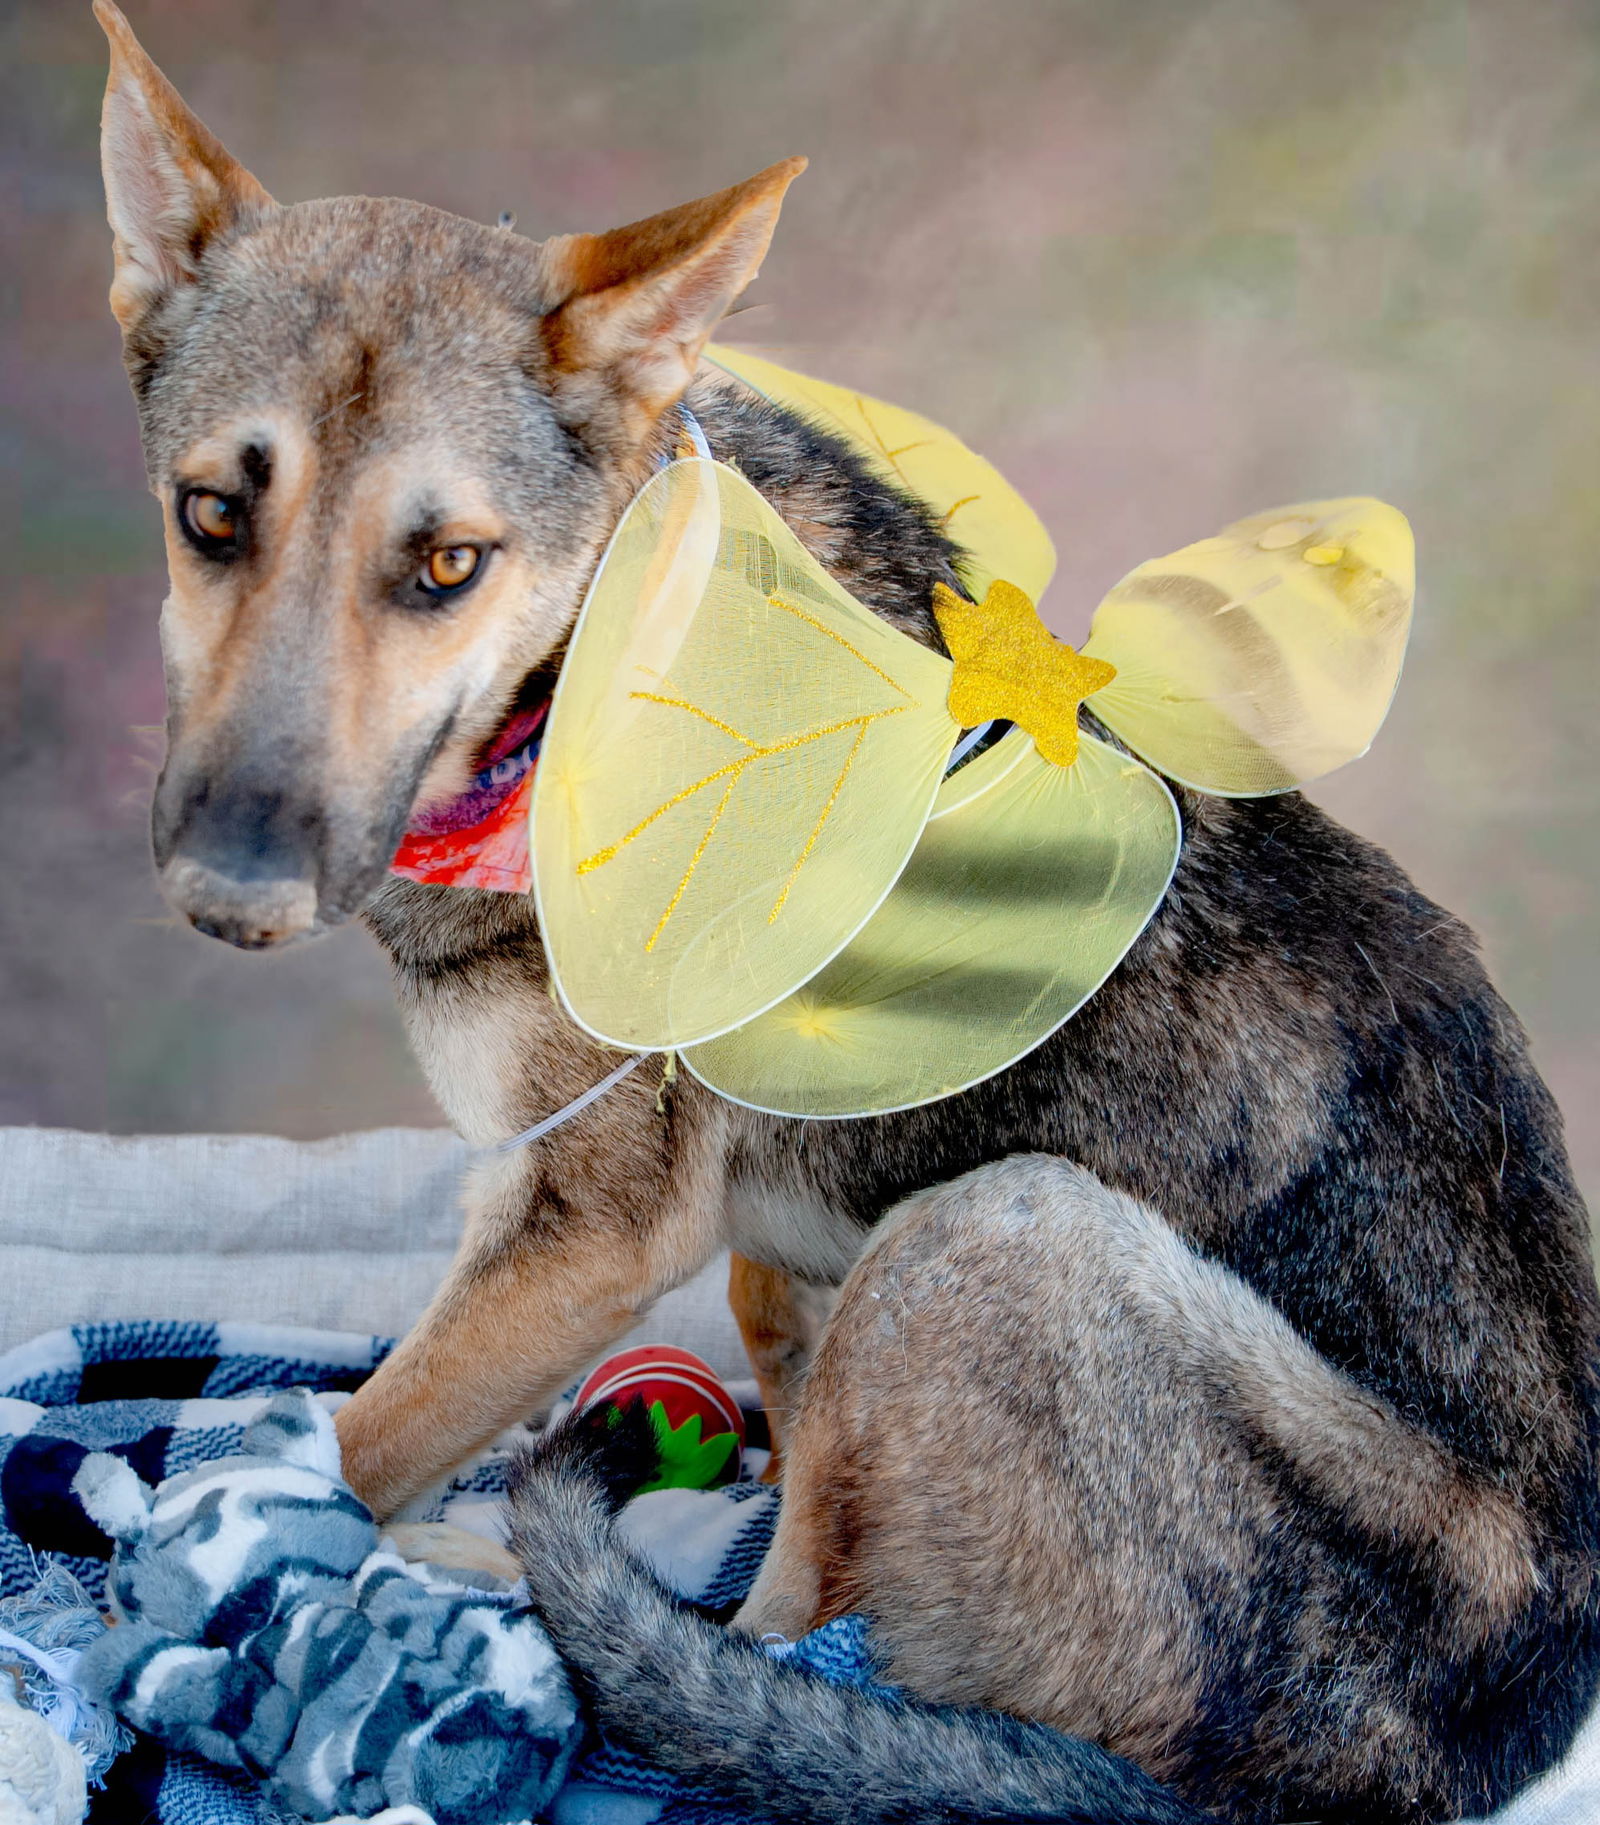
1168,263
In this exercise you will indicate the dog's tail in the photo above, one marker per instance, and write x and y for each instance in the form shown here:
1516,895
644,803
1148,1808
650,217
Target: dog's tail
709,1704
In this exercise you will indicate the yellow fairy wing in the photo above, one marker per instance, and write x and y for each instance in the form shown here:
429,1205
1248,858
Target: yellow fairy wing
1265,657
979,508
1016,906
738,762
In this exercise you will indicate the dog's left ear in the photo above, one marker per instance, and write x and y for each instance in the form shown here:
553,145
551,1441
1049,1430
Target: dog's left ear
171,185
632,309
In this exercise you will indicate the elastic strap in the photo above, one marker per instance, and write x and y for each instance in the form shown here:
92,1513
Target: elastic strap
575,1107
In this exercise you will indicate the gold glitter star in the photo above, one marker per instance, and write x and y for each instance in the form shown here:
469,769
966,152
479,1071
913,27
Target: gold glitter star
1008,664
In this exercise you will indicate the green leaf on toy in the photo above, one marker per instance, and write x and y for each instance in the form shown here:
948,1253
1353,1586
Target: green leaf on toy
687,1460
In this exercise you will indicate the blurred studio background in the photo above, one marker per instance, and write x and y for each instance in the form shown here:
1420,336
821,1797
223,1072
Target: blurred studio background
1167,261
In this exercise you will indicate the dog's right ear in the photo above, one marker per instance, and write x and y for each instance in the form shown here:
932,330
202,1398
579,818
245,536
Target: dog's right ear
171,186
632,309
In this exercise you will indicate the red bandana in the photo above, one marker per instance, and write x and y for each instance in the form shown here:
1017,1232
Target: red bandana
481,838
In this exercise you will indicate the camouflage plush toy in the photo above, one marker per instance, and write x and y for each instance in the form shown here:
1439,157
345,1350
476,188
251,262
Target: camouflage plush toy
263,1628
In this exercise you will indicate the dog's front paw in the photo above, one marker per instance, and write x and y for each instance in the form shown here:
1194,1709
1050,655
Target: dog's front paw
451,1549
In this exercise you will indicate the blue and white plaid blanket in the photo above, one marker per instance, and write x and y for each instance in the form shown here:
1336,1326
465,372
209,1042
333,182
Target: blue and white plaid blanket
167,1397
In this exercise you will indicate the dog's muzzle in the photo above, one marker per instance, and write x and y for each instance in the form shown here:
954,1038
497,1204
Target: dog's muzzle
253,915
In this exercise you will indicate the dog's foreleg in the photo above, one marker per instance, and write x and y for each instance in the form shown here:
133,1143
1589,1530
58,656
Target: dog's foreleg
500,1338
543,1283
779,1322
453,1548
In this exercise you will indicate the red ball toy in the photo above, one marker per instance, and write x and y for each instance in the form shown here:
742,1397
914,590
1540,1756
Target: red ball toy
698,1424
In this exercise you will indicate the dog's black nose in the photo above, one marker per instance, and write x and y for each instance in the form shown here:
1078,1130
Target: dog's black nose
241,861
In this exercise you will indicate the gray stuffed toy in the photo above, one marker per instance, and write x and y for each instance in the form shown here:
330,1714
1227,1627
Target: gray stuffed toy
264,1629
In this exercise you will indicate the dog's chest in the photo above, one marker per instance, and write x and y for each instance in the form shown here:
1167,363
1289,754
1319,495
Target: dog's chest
773,1215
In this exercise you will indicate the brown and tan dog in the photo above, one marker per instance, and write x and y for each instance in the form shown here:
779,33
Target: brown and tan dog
1217,1385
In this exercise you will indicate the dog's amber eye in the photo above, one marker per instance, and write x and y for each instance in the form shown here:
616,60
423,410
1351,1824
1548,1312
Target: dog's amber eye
451,566
211,517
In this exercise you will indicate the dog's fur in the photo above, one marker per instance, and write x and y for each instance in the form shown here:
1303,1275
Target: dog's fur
1221,1388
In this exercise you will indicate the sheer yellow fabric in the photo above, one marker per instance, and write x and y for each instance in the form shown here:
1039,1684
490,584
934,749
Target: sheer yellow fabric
977,506
1015,907
739,759
1257,660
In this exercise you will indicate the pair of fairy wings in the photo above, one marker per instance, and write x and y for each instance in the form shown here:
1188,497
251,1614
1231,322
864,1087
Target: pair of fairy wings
747,849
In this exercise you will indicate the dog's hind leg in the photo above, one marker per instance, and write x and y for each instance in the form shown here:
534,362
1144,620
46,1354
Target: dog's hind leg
1074,1471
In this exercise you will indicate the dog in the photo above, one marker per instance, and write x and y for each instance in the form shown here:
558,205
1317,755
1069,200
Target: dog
1214,1390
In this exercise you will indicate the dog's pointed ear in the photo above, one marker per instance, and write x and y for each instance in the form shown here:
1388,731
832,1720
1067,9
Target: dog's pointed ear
632,309
171,186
